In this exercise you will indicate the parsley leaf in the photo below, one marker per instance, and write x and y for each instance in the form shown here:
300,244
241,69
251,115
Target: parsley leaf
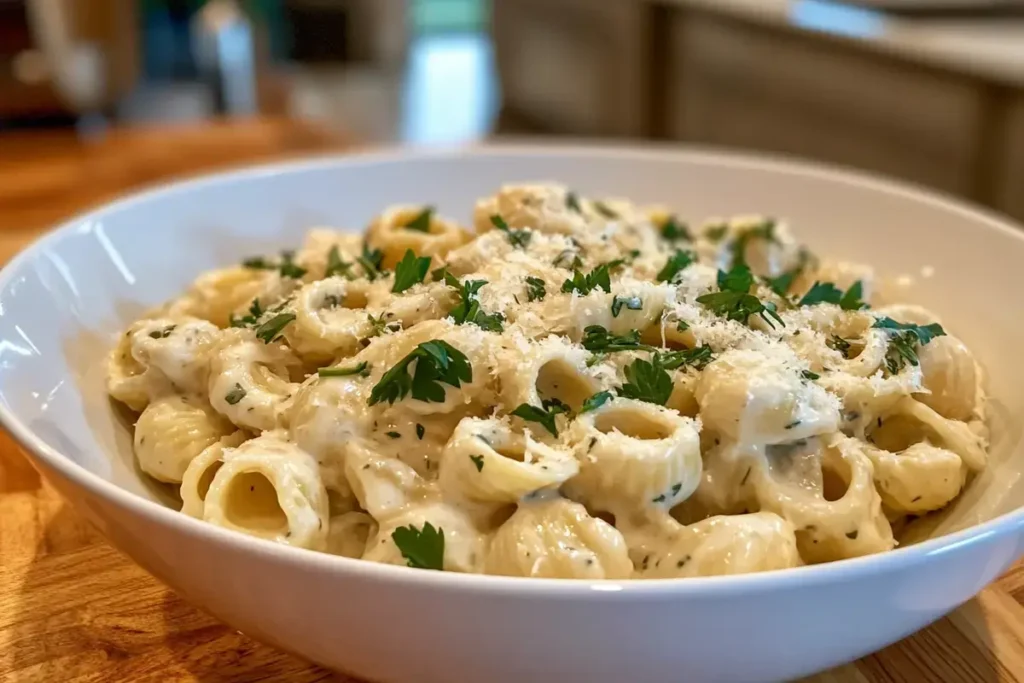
164,333
598,278
851,301
673,230
422,549
715,233
271,330
596,401
605,210
371,260
421,221
535,289
335,266
362,369
468,308
380,325
236,394
410,271
765,231
563,259
572,202
478,460
827,292
698,357
288,267
808,375
436,361
255,312
781,284
647,381
839,344
258,263
633,303
903,338
545,416
517,238
420,431
734,300
676,263
599,340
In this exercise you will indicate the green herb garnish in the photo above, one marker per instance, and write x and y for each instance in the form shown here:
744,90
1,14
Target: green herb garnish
437,363
410,271
698,357
235,395
421,221
288,267
605,210
568,258
535,289
827,292
371,260
545,416
596,401
734,301
598,278
517,238
647,381
162,334
676,263
600,340
421,549
255,312
903,340
335,266
673,231
765,231
420,431
362,369
633,303
478,460
468,309
572,202
808,375
715,233
271,330
839,344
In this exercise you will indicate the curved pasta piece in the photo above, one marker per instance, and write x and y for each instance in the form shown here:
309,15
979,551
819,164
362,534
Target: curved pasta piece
430,301
633,305
317,248
725,545
465,547
910,421
551,369
330,318
544,208
385,487
841,519
725,487
486,461
390,233
951,378
349,534
634,455
128,380
917,480
195,482
179,348
557,539
250,381
171,432
270,488
218,294
757,397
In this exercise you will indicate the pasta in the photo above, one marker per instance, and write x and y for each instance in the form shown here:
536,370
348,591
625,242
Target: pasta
570,388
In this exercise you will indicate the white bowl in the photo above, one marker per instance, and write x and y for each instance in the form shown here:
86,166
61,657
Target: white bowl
63,301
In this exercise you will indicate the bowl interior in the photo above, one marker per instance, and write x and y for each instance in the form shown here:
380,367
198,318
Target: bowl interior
63,302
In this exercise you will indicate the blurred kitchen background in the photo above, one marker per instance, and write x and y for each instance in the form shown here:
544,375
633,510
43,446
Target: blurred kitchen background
927,90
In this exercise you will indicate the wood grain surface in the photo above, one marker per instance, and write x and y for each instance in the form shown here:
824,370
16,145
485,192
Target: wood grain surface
73,609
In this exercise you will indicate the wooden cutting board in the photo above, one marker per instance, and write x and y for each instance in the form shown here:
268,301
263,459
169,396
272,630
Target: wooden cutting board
73,609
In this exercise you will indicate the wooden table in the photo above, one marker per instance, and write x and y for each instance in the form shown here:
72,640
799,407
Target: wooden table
74,609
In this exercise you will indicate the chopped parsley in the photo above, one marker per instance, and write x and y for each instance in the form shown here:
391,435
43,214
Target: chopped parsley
903,340
672,230
598,278
633,303
535,289
682,326
422,549
811,376
478,460
676,263
698,357
827,292
599,340
839,344
393,435
596,401
410,271
421,221
605,210
517,238
420,431
286,267
380,325
647,381
271,330
468,309
764,231
162,334
676,488
734,300
255,313
236,394
568,258
335,266
715,233
362,369
371,260
437,363
545,415
259,263
572,202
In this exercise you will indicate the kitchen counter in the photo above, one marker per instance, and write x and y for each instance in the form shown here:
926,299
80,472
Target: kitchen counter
992,49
